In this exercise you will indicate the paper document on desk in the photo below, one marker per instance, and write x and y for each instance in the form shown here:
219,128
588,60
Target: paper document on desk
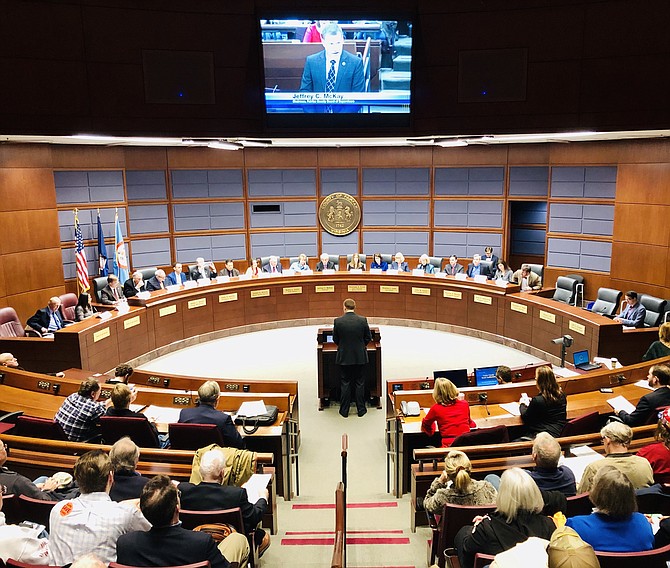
620,403
644,384
252,408
511,407
136,407
578,464
256,486
579,451
162,414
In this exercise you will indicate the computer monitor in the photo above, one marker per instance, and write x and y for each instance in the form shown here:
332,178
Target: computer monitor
580,357
486,376
457,376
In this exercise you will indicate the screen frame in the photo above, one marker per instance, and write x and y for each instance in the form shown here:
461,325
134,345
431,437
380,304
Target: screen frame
575,353
479,370
443,375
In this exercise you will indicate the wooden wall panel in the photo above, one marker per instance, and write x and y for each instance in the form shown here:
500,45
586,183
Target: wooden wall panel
87,157
525,154
146,158
25,155
26,188
644,183
29,230
641,223
470,156
33,270
281,158
339,157
27,303
396,157
639,263
197,158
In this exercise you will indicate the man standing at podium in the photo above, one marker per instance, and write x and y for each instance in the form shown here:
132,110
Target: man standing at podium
351,333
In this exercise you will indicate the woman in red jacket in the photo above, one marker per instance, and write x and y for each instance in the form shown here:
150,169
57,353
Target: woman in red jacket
451,413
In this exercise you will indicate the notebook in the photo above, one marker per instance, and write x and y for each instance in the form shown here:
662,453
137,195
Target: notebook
581,361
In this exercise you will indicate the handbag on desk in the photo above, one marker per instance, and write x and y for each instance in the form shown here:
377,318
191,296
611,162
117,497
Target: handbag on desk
252,423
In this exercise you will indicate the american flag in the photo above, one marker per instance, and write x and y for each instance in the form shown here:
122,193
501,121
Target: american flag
82,267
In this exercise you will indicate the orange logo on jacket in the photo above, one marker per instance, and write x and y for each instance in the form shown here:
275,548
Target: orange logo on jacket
66,509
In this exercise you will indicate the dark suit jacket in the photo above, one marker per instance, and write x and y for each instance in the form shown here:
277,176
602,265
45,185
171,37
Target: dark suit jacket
404,267
153,284
351,333
127,485
484,270
268,268
207,272
172,278
206,414
647,406
168,546
107,296
42,318
493,261
232,273
329,266
350,78
211,496
129,289
453,270
127,413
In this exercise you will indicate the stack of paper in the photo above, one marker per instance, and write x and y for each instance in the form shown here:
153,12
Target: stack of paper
619,403
512,408
256,486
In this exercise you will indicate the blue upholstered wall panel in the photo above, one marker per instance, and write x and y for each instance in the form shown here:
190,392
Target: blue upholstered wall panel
283,244
396,181
277,183
581,219
413,243
340,245
150,252
205,216
342,180
210,247
586,255
88,221
465,244
204,184
88,187
91,253
528,241
591,182
145,185
291,214
468,213
395,213
529,180
147,219
469,181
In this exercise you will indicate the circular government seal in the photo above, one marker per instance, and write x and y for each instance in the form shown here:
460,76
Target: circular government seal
339,214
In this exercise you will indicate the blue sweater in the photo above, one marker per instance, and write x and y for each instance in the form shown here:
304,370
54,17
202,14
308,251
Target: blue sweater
604,533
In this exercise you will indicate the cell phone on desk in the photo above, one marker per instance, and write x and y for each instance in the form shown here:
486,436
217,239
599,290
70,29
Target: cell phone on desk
410,408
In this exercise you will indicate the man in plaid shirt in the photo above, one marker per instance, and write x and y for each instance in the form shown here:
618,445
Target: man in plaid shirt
79,413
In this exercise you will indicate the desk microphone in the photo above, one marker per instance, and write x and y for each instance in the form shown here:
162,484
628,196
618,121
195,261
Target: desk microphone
483,397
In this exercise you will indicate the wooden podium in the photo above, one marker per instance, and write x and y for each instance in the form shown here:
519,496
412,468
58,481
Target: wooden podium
329,372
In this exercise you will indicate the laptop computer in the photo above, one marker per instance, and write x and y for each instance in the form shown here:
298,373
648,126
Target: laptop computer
581,361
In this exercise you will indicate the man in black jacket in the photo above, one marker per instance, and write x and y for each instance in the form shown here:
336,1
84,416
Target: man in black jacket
659,380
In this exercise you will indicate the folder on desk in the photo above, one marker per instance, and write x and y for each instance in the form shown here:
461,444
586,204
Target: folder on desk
511,407
620,403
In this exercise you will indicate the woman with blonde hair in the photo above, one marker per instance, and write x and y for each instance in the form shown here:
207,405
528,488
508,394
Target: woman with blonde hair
457,487
355,263
450,412
660,348
546,412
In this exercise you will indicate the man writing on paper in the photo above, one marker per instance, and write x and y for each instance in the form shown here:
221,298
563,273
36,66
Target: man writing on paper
659,380
634,313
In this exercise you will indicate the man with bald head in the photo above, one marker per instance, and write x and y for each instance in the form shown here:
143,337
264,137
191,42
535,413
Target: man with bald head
49,319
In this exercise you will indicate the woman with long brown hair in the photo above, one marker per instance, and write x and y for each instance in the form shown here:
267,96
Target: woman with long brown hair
546,412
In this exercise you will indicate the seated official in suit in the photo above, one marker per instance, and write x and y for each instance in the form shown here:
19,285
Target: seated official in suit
325,263
527,279
378,264
634,313
273,266
658,379
128,483
255,267
332,70
490,257
355,263
425,265
167,543
49,319
202,270
503,272
206,413
229,269
476,268
399,263
176,276
8,360
300,265
112,294
453,268
157,282
210,494
133,285
83,309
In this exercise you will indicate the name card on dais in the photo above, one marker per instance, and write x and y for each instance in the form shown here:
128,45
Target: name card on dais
479,299
547,316
420,291
577,327
517,307
452,294
167,310
199,303
322,289
232,297
292,290
260,293
98,335
389,289
357,288
131,322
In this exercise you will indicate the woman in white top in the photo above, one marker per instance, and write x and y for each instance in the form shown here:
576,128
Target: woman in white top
256,268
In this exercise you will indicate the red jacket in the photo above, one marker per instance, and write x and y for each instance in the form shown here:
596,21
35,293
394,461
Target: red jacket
452,420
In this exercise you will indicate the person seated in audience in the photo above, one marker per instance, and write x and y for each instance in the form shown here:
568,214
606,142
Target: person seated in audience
122,397
121,374
202,270
614,526
300,265
128,483
658,453
455,486
658,378
378,264
158,282
399,263
168,543
450,411
616,438
210,494
547,411
490,257
83,309
503,375
517,517
134,284
176,276
112,294
503,271
273,266
22,543
205,412
453,268
255,267
660,348
527,279
476,268
325,263
92,522
356,263
634,313
548,475
425,265
49,319
79,413
229,269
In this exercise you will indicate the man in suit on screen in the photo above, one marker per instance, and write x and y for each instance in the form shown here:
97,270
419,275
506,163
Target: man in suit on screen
351,333
332,70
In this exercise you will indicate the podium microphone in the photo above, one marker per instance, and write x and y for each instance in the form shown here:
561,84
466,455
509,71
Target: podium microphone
483,397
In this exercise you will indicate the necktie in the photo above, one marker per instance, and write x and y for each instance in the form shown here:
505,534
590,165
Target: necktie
330,82
116,295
